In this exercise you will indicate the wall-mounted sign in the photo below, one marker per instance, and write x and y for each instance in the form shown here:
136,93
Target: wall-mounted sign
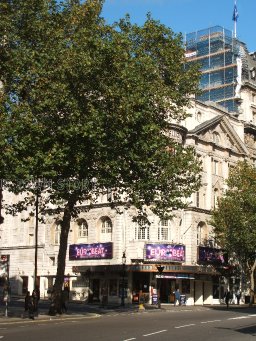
165,252
211,255
91,251
174,275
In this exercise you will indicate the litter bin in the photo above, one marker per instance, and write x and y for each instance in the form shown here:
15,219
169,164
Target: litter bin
247,299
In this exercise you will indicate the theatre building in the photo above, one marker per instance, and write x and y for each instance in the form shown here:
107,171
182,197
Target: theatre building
113,258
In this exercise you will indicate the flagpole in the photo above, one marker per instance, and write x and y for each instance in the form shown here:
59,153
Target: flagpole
235,24
235,18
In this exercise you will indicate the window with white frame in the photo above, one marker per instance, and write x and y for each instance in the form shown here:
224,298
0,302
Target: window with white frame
105,229
197,194
82,229
142,230
57,231
201,232
164,230
215,167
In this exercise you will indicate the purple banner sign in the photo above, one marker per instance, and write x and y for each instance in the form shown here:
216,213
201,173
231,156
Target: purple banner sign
165,252
211,255
90,251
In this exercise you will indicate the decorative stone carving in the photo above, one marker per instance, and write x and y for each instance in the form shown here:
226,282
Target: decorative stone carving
249,140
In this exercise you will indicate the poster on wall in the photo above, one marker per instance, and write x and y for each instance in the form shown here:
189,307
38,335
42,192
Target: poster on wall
4,265
165,252
91,251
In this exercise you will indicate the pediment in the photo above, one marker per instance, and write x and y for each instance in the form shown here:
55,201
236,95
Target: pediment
219,132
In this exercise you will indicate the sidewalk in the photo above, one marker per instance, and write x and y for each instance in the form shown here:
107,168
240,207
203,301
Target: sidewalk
80,310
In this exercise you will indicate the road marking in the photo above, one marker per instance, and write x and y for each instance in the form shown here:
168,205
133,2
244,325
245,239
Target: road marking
133,338
239,318
211,321
160,331
186,325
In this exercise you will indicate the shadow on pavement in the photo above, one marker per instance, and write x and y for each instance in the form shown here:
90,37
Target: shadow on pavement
249,330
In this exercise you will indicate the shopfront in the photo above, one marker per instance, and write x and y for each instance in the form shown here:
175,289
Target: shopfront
157,275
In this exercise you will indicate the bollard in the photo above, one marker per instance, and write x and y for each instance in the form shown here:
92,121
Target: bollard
6,309
141,301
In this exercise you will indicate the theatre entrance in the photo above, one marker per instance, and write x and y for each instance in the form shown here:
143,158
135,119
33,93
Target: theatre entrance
167,287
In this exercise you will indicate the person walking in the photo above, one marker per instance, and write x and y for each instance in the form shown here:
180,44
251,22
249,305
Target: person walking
35,297
227,298
26,305
177,297
64,300
31,307
238,296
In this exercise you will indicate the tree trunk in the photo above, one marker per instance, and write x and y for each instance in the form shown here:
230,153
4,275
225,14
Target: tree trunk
57,288
252,283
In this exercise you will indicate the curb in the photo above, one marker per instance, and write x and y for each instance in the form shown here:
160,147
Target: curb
47,318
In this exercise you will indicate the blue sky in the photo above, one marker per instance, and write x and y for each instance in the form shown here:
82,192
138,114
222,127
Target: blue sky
187,16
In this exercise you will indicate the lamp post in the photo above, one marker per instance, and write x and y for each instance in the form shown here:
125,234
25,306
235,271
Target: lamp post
5,260
88,275
160,269
123,273
36,235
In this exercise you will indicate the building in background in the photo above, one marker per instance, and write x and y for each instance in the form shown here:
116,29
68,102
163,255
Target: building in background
225,65
113,257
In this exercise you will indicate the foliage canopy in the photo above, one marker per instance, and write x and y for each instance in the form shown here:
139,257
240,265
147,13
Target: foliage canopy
84,100
235,217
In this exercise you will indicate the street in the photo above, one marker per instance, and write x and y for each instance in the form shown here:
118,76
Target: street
181,323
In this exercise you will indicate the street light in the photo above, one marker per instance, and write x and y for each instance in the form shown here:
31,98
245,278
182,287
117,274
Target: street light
123,273
36,235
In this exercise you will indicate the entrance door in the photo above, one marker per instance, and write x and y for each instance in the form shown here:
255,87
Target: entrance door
96,290
167,287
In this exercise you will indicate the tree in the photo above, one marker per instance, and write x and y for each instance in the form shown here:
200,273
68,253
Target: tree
234,219
82,101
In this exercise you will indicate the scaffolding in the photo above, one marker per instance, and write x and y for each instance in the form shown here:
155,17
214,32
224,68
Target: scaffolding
216,51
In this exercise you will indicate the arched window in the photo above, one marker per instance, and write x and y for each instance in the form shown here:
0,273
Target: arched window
57,231
164,230
142,229
105,229
215,197
216,137
198,116
82,229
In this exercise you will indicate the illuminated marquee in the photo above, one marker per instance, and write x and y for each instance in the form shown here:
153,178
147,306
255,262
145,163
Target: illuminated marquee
90,251
165,252
210,255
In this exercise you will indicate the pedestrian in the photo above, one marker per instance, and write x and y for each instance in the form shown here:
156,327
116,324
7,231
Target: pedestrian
31,307
26,305
238,296
176,297
227,298
64,300
36,297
